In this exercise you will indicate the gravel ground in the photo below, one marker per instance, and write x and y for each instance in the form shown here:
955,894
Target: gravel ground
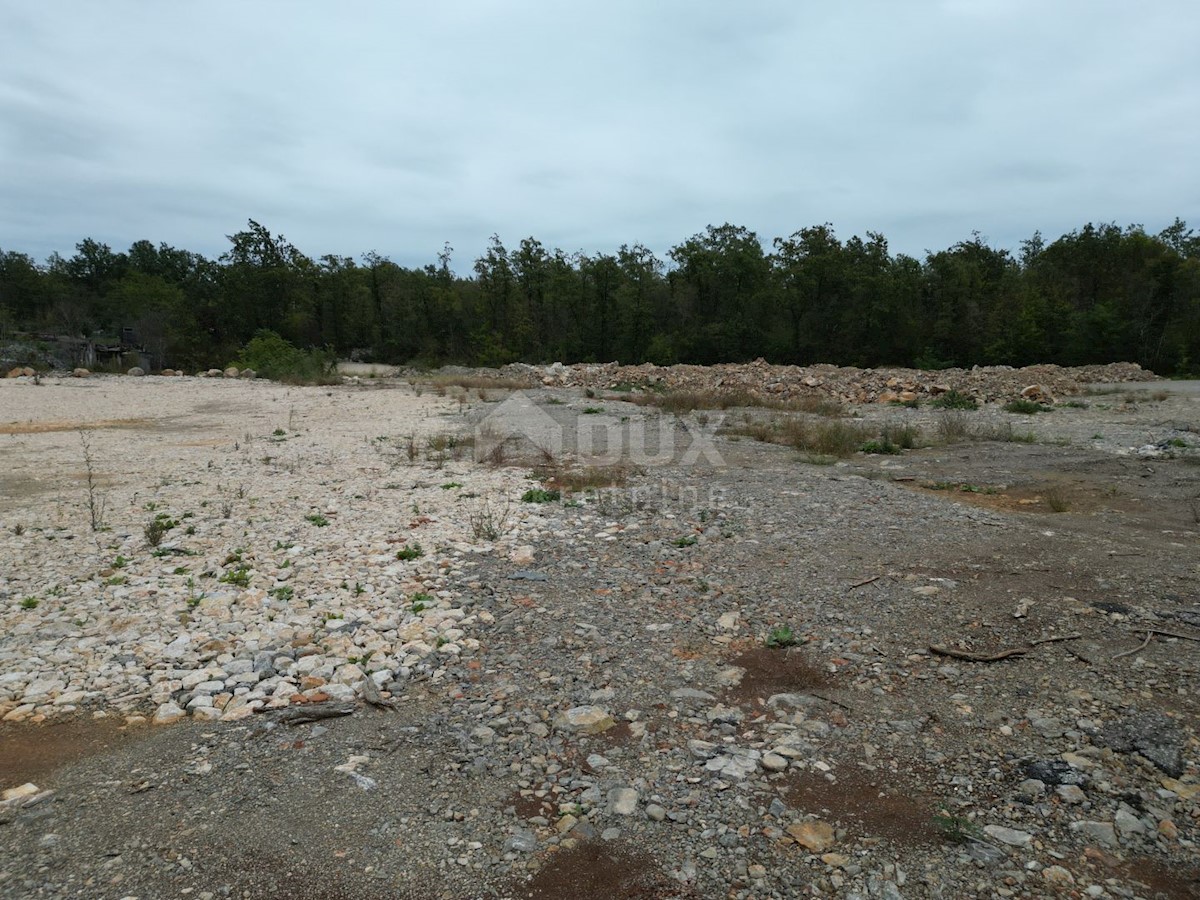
992,690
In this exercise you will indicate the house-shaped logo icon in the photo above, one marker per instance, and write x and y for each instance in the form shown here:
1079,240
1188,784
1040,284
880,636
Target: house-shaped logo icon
518,423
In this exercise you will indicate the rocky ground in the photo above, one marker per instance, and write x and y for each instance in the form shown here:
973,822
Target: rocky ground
319,647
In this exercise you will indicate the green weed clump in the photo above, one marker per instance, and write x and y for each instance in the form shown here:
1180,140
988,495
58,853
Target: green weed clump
540,495
955,400
1025,407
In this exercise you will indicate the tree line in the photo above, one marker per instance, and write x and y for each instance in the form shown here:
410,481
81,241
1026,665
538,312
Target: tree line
1099,294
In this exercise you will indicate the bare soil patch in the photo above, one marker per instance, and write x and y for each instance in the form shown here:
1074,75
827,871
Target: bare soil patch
31,752
599,871
771,671
868,804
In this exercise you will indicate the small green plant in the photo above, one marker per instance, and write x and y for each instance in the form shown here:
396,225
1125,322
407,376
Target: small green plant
955,400
540,495
422,601
593,410
359,590
781,636
880,446
239,577
156,529
1176,442
117,581
411,552
180,570
956,829
317,519
18,529
1025,407
279,432
451,485
30,603
688,540
1056,498
285,593
150,507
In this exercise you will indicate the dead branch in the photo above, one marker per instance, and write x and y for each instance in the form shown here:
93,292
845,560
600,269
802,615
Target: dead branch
1002,654
313,712
371,694
864,582
977,657
1138,649
1055,638
1174,634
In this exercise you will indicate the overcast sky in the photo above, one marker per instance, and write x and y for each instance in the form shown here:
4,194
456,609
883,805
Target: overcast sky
395,126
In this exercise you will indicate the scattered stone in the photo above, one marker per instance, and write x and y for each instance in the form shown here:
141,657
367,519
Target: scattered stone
812,834
1154,735
622,801
1010,836
585,720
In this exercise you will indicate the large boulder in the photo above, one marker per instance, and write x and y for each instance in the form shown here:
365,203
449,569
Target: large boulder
80,372
136,371
231,372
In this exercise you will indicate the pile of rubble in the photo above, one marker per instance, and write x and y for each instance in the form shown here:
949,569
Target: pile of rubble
843,383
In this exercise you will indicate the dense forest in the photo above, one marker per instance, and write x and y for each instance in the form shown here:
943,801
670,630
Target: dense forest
1099,294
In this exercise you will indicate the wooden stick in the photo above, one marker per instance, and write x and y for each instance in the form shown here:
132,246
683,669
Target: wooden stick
1053,639
1002,654
977,657
864,582
1138,649
1174,634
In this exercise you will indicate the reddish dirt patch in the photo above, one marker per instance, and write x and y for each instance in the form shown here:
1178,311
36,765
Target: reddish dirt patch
1162,878
528,806
869,804
30,752
593,871
774,671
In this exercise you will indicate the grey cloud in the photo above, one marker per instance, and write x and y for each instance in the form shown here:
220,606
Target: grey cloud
588,125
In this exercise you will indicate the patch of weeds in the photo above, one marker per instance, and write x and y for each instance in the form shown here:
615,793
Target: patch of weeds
156,529
1177,442
317,519
422,601
781,636
540,495
180,570
18,529
239,577
1056,498
30,603
956,829
488,521
279,432
411,552
1025,407
880,446
451,485
954,400
689,540
117,581
593,410
120,562
284,594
